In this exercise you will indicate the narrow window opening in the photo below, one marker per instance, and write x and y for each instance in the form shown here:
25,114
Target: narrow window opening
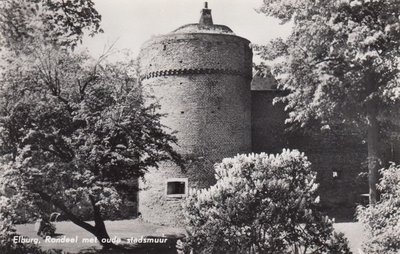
337,174
177,187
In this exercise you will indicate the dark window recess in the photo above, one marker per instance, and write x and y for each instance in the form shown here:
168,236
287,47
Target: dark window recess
182,112
175,188
337,174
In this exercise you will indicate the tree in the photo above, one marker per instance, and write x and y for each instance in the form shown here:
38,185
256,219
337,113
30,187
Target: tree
62,22
341,63
74,130
261,204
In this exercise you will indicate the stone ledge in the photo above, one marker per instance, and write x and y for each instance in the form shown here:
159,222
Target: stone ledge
176,72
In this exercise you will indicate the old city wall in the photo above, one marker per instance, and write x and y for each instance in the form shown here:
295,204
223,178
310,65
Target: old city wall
338,157
268,130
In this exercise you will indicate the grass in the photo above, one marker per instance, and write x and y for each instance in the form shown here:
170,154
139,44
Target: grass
354,233
125,229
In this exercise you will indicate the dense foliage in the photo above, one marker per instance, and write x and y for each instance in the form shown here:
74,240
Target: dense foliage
261,204
8,232
340,64
382,221
55,21
74,130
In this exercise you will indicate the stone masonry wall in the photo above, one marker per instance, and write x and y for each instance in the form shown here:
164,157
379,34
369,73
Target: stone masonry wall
155,206
268,130
177,54
328,152
202,82
211,113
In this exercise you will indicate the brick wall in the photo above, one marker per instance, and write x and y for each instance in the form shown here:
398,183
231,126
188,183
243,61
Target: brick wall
202,82
196,52
329,152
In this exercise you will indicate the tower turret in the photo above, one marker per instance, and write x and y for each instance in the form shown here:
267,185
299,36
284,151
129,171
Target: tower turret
206,18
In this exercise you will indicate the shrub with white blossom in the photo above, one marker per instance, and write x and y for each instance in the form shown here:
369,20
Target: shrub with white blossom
382,221
261,204
8,232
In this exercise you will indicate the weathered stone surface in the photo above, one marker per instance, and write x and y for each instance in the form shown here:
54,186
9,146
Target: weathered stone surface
196,51
202,82
329,152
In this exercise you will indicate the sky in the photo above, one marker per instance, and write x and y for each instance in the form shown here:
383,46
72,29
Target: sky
129,23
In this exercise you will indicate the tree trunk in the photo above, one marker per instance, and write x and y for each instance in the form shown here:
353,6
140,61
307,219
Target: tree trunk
373,156
100,230
102,236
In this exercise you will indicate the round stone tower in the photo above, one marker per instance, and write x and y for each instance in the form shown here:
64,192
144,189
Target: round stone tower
200,75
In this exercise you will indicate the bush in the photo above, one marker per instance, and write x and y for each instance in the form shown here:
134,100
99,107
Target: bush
382,221
261,204
8,232
7,245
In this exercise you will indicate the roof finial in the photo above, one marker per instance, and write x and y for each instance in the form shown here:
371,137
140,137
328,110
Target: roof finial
206,18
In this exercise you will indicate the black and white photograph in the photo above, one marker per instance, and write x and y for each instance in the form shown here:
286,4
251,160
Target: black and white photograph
199,127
